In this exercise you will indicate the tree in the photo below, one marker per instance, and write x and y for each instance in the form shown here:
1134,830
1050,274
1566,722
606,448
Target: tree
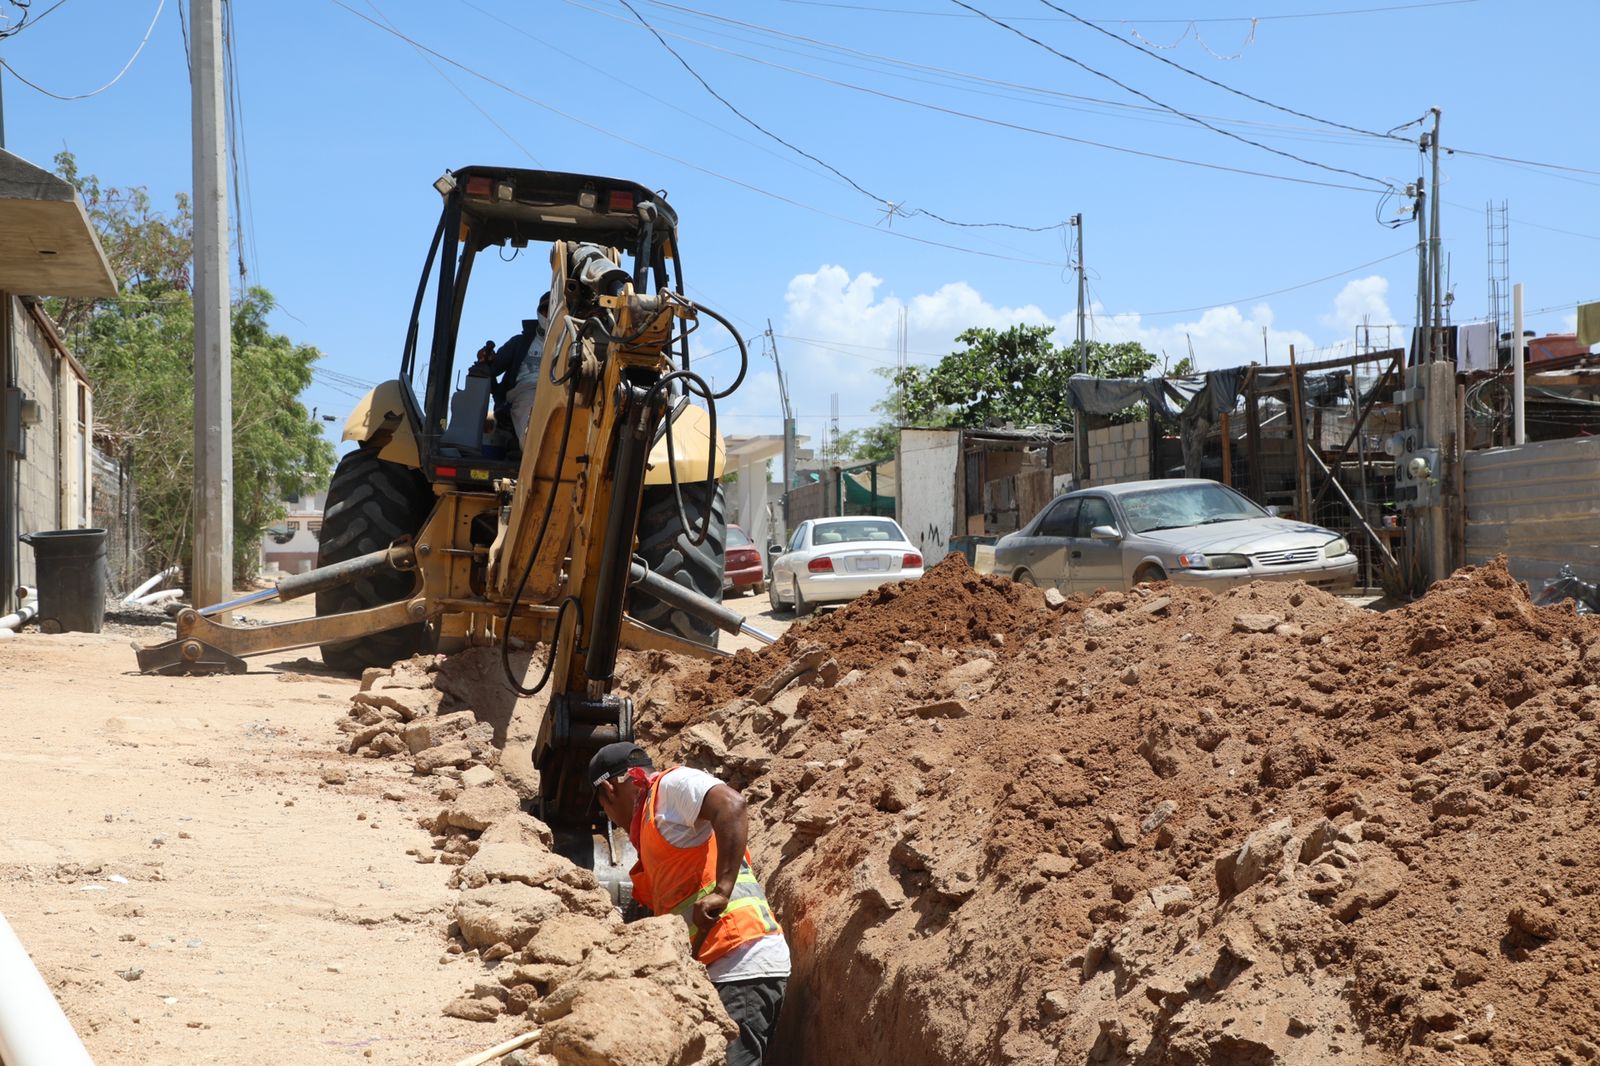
871,444
1011,377
138,349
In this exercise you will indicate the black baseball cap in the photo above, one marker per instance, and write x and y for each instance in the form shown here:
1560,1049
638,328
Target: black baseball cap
614,760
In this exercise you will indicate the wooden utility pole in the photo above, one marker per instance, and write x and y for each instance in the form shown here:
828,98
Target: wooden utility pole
211,581
1302,496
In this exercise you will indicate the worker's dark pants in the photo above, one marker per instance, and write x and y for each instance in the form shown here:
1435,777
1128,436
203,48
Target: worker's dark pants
753,1006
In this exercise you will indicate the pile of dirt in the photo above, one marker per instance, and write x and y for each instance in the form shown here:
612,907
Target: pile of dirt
548,943
1169,826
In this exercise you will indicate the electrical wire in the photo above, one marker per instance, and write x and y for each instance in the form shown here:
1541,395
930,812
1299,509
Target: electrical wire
1214,82
1143,21
28,18
890,206
640,146
160,6
1019,127
479,108
1379,182
1261,296
958,75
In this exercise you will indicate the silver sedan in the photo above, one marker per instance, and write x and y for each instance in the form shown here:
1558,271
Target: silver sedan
834,560
1188,531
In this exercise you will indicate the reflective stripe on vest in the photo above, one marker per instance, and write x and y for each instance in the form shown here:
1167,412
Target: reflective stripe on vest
678,878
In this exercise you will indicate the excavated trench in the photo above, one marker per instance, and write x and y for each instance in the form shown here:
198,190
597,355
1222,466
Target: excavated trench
1167,827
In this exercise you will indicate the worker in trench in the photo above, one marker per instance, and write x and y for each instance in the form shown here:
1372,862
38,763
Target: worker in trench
689,830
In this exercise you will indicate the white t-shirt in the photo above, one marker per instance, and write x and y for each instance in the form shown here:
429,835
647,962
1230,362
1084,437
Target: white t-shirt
679,795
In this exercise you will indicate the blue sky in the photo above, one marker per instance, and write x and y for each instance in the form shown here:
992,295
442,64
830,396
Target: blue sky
345,126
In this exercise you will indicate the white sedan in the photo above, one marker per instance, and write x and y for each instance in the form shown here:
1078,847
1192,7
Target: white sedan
834,560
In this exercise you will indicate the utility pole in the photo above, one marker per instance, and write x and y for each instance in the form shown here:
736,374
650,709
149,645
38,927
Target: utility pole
1080,429
1435,341
789,440
211,581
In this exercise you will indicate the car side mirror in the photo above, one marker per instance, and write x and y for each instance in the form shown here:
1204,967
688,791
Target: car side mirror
1105,533
774,550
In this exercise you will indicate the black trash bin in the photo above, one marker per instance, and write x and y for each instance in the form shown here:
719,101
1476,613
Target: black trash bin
71,567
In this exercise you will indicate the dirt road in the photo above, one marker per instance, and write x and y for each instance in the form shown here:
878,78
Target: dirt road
202,877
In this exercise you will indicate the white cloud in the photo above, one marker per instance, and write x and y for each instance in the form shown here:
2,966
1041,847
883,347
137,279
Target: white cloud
1221,337
841,327
1360,301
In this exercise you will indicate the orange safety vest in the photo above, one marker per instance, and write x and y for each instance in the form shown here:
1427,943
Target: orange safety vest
671,880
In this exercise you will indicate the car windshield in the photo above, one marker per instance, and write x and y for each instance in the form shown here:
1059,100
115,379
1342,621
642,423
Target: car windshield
867,530
1186,505
736,537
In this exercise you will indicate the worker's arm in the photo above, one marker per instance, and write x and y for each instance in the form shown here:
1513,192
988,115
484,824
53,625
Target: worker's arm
724,808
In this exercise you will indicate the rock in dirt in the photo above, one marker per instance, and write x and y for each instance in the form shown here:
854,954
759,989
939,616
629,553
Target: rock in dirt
1260,855
456,754
1539,922
942,709
472,1009
479,808
476,776
1255,623
637,999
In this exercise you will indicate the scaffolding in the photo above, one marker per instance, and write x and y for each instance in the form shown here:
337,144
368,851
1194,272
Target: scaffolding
1499,268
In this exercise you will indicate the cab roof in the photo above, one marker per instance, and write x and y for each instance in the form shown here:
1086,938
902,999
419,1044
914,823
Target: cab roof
508,204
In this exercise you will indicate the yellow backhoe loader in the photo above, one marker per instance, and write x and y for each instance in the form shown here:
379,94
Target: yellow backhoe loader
603,530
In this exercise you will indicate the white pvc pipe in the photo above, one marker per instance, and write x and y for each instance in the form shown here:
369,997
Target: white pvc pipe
25,613
150,599
33,1030
1519,373
148,585
27,592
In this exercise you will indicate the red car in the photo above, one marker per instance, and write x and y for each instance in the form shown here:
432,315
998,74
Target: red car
742,569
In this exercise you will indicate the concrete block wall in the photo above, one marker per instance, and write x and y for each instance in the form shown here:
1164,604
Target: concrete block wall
1119,453
38,497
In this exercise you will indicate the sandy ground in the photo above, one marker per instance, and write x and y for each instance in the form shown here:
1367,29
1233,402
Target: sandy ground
180,832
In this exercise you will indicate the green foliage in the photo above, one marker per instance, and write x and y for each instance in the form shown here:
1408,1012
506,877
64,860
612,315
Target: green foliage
1011,377
139,351
872,444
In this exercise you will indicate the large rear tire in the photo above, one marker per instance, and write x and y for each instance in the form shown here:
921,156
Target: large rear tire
371,503
664,545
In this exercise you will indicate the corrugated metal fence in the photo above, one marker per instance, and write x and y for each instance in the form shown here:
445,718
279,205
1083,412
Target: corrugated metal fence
1539,505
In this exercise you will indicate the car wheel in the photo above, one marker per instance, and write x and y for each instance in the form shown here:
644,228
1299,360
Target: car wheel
1149,572
758,588
1025,577
801,607
772,598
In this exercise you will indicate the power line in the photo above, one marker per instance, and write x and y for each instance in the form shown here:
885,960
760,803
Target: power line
891,207
27,18
1212,81
675,159
1277,129
1192,118
1015,126
1126,21
944,72
1411,250
479,108
546,44
160,5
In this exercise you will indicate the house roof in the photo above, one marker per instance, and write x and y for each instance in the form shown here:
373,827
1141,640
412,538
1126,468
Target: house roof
47,245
